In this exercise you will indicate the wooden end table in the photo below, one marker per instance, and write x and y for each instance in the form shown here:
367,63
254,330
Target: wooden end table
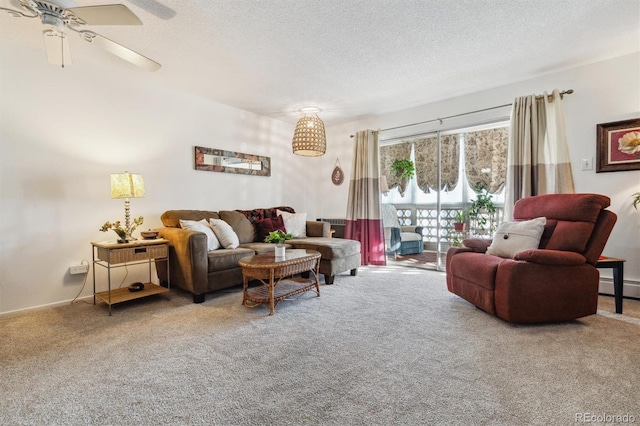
110,254
277,276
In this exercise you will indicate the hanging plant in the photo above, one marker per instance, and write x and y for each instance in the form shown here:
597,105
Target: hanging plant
403,168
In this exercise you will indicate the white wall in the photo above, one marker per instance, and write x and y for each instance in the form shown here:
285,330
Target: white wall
64,131
604,92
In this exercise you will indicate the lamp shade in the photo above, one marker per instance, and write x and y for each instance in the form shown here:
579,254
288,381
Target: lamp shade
309,138
127,185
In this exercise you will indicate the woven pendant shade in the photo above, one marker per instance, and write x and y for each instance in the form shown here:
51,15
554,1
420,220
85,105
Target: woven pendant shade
309,139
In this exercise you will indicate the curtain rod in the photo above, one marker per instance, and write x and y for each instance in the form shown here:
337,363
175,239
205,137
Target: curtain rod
564,92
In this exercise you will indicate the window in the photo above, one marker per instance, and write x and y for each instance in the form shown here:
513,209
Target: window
468,157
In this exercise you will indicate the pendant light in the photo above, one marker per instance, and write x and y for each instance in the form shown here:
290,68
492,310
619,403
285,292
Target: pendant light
309,139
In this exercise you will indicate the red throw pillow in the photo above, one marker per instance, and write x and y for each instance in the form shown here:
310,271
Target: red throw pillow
264,226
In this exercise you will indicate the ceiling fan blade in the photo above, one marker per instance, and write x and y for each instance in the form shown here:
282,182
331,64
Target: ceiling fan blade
120,51
155,8
20,13
108,14
56,44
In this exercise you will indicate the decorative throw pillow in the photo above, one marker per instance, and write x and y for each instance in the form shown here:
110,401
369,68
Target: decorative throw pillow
514,237
228,239
294,223
202,226
264,226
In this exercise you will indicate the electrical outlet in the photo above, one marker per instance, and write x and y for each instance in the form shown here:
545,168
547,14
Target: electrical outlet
78,269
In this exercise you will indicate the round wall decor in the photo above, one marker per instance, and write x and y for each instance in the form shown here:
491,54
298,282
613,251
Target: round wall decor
337,177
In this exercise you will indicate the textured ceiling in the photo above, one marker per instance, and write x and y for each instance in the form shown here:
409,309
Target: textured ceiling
352,58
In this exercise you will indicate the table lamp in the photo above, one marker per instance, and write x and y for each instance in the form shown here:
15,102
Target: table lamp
127,185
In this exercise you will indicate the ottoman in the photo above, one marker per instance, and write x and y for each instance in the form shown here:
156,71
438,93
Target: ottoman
338,254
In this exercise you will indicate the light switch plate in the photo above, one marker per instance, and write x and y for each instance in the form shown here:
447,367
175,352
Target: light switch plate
587,163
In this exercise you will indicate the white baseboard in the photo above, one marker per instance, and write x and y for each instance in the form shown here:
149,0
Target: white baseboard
629,288
41,307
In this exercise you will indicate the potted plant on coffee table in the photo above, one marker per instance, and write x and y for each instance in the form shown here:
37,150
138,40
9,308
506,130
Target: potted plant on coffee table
278,238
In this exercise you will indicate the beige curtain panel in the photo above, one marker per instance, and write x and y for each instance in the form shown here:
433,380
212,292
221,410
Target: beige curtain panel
364,221
538,161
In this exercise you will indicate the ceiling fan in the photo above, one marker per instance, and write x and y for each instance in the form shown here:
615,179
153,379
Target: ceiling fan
61,16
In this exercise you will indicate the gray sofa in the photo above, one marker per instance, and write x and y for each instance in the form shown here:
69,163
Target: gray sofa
199,271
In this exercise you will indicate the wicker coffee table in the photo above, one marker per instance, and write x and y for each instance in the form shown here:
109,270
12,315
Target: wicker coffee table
277,276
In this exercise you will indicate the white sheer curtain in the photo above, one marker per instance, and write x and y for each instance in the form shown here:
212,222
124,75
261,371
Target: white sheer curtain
538,157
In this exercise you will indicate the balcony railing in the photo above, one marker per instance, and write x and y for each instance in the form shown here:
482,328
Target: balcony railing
433,224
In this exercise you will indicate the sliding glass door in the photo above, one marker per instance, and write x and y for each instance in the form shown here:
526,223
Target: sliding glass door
453,168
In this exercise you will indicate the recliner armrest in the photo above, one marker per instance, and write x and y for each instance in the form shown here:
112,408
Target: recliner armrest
551,257
478,245
416,229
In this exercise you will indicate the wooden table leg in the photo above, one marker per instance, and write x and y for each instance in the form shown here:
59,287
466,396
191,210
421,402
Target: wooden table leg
271,292
244,288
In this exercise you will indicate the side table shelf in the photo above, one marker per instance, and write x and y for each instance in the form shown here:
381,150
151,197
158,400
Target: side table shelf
123,294
110,254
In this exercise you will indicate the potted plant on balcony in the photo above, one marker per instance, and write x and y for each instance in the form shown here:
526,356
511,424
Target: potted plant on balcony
460,225
403,168
278,238
482,210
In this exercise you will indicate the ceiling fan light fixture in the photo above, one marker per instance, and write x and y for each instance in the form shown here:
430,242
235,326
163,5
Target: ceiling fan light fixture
58,17
309,138
53,22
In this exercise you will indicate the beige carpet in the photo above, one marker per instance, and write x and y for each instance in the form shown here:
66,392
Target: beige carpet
390,346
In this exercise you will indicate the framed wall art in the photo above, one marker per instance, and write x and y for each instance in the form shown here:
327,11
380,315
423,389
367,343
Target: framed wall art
618,146
337,176
219,160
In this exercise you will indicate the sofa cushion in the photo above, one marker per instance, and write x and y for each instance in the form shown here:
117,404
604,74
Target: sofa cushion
223,259
514,237
204,227
261,248
171,218
266,225
243,228
225,234
329,248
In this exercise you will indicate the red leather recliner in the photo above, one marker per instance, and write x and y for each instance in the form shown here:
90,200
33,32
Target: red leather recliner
556,282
